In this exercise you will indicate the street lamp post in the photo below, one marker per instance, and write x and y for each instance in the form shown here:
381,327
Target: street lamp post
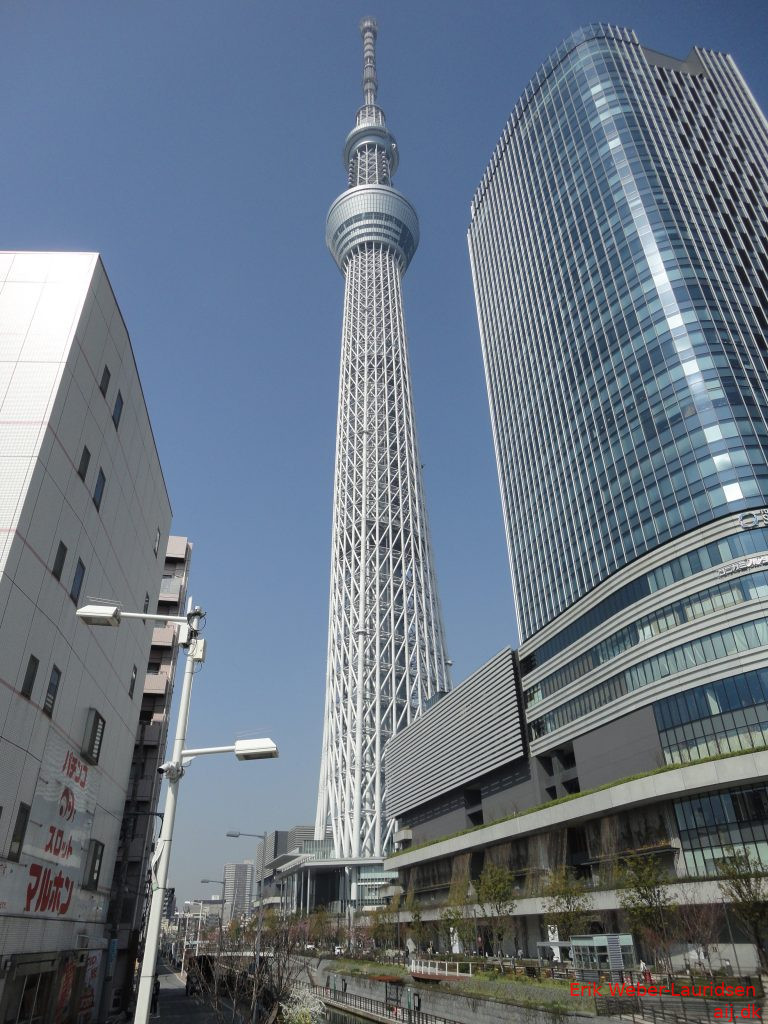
244,750
257,955
197,936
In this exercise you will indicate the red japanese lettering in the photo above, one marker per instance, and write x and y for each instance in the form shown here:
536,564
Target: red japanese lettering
75,769
46,891
67,806
35,871
69,886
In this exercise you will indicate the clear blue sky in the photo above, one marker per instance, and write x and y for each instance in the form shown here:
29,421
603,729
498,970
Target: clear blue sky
197,145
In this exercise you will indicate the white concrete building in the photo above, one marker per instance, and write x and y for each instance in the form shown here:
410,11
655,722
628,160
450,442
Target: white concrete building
83,514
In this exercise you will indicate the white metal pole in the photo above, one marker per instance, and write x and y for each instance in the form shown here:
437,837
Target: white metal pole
149,960
254,1008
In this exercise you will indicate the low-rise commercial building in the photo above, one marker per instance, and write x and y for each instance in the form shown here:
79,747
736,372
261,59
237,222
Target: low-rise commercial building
84,515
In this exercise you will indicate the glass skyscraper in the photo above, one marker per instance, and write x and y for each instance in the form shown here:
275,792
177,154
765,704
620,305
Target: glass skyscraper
619,243
619,246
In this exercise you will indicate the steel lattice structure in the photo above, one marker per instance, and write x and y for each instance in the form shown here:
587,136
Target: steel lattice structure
386,652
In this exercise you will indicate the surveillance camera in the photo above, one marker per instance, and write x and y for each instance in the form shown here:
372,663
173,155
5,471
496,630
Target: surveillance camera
164,767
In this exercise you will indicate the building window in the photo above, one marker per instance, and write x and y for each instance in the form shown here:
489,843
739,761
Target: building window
744,636
19,831
58,562
156,546
94,734
53,689
77,582
718,718
723,595
132,687
85,458
117,412
29,676
105,377
712,824
93,864
98,491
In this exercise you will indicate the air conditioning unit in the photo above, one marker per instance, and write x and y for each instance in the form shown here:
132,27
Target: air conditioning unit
82,942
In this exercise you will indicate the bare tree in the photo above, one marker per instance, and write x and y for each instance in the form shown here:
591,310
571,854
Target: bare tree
232,982
646,901
700,924
320,927
744,885
495,894
568,903
282,939
417,927
458,917
383,926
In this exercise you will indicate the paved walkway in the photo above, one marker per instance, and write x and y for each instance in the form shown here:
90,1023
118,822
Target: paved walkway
174,1004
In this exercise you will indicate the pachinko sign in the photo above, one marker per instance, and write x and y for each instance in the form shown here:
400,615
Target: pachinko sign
46,880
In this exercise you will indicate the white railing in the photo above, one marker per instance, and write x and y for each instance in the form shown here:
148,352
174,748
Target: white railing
458,968
454,968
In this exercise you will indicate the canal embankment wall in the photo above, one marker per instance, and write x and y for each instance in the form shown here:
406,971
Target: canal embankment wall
465,1009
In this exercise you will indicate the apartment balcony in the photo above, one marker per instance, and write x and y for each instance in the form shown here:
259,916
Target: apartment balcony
170,590
163,636
144,789
156,682
136,848
149,734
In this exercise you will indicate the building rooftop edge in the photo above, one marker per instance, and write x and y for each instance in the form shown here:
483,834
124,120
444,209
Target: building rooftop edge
581,35
681,780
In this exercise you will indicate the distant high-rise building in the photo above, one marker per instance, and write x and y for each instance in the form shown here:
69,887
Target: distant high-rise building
238,889
84,515
386,655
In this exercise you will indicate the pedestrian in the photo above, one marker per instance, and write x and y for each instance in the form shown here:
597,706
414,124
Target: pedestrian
155,995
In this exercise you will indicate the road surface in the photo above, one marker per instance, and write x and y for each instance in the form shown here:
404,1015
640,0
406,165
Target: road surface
174,1004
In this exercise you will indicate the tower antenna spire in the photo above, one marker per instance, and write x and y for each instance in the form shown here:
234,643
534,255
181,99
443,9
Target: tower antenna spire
368,30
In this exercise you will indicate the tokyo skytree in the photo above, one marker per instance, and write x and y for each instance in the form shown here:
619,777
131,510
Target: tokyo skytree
386,651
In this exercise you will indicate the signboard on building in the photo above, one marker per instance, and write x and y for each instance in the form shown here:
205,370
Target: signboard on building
750,520
46,881
88,1008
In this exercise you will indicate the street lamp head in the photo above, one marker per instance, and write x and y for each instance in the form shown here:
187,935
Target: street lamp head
233,835
255,750
99,614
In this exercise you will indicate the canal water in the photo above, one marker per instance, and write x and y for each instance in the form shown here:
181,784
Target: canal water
342,1017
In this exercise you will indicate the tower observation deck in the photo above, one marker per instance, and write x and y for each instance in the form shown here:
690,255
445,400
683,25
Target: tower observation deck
386,651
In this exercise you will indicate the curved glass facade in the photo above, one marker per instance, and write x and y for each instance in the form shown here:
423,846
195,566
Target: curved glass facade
712,825
738,639
719,718
707,602
619,245
716,553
